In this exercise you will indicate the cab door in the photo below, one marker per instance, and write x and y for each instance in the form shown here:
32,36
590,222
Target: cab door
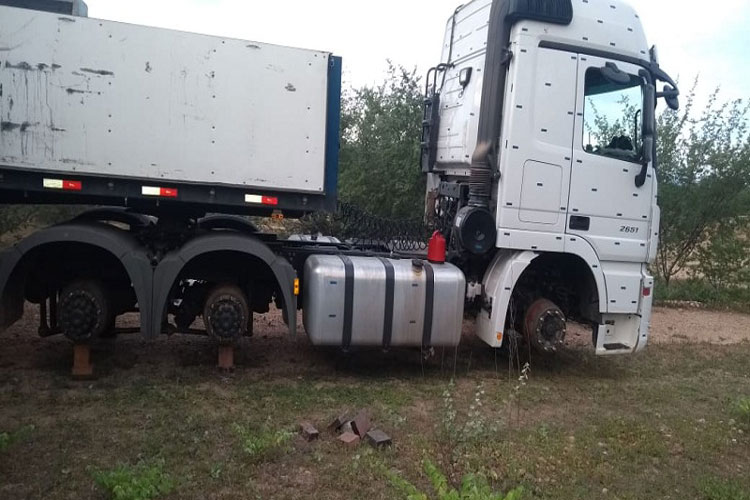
605,207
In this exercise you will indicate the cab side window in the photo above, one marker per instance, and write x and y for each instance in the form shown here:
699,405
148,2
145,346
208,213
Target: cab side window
612,116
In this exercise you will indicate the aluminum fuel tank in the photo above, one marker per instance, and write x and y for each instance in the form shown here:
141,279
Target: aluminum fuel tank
374,301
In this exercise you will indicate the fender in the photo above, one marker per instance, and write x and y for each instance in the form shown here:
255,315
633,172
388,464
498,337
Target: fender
172,264
117,242
583,249
499,280
504,272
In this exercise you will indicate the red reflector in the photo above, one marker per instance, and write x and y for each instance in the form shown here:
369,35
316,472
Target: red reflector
270,200
646,291
63,184
159,191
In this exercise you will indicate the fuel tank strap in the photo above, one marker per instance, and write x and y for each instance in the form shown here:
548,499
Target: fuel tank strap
348,300
429,300
389,294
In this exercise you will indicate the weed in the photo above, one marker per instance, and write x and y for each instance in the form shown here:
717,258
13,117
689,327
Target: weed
742,412
720,489
473,487
516,394
259,443
134,482
215,472
469,428
8,438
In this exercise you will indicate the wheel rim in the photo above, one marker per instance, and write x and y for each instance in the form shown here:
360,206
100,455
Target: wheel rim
79,315
226,318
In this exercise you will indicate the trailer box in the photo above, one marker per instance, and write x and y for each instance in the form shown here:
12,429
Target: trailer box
106,112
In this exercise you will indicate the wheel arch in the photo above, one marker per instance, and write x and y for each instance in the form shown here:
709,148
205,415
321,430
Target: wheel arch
172,265
116,242
503,275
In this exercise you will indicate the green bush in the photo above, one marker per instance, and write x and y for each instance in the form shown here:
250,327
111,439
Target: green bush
693,289
380,152
16,217
134,482
724,261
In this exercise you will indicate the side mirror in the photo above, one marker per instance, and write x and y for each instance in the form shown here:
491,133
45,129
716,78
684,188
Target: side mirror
670,95
613,74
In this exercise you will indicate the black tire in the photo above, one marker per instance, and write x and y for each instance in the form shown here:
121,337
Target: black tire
226,313
84,312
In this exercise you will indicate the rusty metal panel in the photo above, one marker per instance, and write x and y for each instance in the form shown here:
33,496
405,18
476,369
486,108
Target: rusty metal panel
86,96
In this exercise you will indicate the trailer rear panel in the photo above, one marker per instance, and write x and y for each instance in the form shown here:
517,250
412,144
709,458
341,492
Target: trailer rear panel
161,113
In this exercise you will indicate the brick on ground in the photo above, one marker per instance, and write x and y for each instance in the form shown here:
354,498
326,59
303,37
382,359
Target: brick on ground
309,432
338,422
349,438
361,423
378,438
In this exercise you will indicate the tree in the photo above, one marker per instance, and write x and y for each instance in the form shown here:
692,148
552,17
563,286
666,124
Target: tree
704,172
379,157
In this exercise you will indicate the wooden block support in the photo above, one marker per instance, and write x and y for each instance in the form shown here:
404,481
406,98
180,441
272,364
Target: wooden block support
226,357
82,367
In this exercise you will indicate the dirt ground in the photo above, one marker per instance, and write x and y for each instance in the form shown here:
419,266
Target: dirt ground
270,345
698,325
656,425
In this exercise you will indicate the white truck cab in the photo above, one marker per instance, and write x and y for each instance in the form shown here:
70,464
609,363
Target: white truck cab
539,132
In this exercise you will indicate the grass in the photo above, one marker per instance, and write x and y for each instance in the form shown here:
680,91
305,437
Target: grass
261,443
665,424
134,482
742,412
472,487
713,488
8,438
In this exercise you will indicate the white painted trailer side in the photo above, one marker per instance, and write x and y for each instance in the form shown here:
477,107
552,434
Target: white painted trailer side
87,96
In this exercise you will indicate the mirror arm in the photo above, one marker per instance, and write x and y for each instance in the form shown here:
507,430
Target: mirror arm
668,93
648,127
647,156
640,178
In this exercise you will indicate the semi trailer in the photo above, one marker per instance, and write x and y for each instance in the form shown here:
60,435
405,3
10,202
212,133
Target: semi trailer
538,146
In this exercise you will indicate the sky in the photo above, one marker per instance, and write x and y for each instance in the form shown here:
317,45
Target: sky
709,40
